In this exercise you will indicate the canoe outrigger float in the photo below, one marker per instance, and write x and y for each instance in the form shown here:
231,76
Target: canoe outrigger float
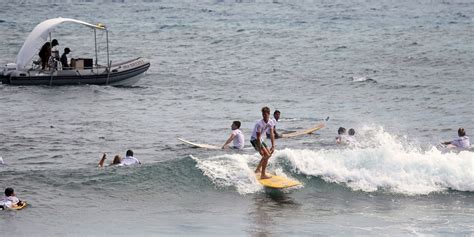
83,71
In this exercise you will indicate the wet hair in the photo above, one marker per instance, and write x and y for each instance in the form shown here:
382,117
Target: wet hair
341,130
276,112
9,192
54,42
236,123
117,160
129,153
461,132
352,132
266,110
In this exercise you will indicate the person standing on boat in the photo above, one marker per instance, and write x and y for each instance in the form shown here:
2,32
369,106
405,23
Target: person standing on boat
54,49
45,54
64,58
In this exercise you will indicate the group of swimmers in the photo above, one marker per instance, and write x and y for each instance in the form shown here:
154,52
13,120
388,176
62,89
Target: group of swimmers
10,201
263,127
129,159
267,126
343,138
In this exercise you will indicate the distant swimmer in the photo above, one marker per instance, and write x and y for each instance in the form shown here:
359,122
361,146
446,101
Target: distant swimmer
351,139
274,121
237,136
341,135
257,141
10,200
127,160
461,142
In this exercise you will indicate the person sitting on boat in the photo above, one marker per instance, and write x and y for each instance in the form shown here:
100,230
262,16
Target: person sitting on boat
64,58
461,142
128,160
45,54
10,200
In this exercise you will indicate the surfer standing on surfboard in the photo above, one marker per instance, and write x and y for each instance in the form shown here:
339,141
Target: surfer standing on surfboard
237,136
257,141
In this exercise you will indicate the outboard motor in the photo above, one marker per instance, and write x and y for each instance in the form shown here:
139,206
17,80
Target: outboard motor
9,68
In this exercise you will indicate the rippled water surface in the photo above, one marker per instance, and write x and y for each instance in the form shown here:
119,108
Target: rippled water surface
399,73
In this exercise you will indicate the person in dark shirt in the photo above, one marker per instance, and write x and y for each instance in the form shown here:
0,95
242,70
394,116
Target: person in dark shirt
44,54
64,59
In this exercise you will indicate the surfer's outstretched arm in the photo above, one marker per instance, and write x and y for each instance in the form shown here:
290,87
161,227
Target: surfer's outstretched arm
228,141
102,160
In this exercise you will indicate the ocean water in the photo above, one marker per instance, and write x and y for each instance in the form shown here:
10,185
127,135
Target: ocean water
399,72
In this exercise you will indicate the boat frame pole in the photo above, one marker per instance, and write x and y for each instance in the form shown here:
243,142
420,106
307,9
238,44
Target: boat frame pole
95,43
108,60
50,52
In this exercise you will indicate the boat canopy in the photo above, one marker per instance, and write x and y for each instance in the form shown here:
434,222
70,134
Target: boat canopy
40,35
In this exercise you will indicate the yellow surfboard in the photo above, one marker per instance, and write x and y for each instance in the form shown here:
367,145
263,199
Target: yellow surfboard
277,181
18,207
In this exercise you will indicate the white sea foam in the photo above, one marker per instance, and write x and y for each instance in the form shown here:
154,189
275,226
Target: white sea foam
389,164
230,171
381,162
235,171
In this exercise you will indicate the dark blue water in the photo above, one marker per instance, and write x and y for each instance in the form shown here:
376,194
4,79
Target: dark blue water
399,73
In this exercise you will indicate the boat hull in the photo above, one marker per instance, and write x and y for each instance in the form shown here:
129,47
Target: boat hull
124,74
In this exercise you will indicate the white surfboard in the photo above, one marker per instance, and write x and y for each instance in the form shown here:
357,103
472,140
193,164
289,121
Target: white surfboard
303,132
199,145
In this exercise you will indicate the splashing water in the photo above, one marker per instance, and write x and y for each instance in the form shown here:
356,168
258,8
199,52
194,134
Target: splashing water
388,164
230,171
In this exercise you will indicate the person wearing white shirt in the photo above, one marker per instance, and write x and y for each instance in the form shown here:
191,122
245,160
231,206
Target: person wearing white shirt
341,135
257,142
237,136
129,159
273,122
351,139
461,142
10,200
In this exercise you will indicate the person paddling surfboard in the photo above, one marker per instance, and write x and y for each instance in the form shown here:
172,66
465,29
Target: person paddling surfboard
257,141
